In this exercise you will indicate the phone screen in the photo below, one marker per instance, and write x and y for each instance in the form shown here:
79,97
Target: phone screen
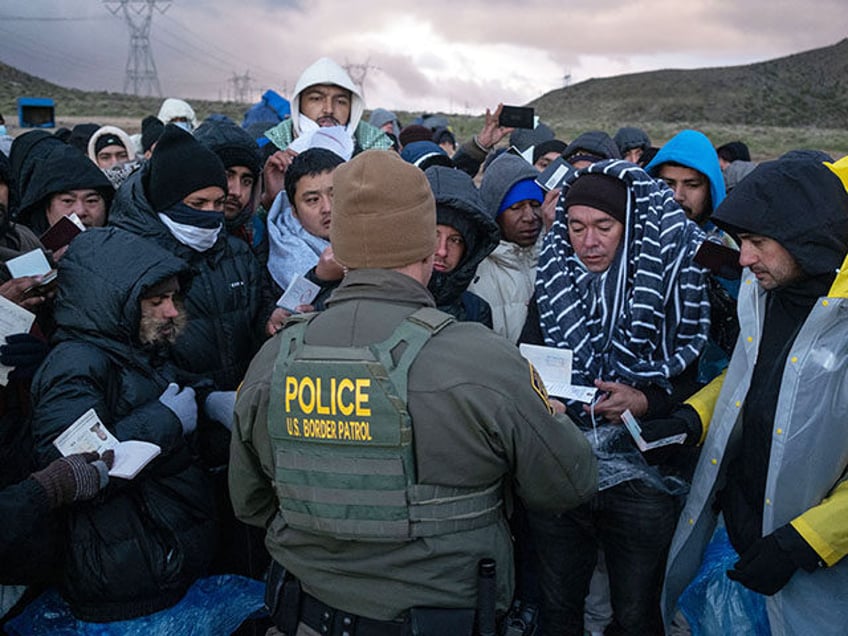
517,117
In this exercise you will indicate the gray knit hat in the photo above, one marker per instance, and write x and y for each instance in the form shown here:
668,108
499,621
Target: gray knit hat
503,173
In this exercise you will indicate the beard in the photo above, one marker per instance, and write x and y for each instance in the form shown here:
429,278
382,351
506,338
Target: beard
156,334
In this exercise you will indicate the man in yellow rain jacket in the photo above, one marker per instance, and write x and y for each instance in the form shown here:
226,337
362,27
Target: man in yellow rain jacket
775,454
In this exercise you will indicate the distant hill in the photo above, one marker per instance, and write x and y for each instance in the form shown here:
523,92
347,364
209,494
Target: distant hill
72,102
805,89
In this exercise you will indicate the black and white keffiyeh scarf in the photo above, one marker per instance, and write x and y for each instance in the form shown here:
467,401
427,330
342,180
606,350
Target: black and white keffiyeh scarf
647,317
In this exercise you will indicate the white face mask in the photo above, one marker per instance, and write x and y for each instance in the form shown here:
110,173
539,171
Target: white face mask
197,238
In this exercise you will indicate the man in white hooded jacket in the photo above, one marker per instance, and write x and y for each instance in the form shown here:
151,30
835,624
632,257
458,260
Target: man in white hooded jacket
324,96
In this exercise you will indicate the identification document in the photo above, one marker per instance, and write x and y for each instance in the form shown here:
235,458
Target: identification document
301,291
635,431
33,263
61,232
88,434
13,319
554,365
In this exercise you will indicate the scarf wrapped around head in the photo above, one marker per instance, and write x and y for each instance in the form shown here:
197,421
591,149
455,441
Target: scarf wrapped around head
647,317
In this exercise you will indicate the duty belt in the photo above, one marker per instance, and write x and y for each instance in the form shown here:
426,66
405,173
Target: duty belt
333,622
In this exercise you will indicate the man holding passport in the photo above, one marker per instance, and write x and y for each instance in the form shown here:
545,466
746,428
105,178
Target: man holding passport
137,547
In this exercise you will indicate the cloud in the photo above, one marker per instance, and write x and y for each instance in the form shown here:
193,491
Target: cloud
436,55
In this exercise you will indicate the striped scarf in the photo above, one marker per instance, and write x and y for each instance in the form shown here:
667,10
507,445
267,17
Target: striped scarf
647,317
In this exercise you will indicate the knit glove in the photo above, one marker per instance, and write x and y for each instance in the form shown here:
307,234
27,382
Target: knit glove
770,562
683,419
182,403
75,477
219,406
25,353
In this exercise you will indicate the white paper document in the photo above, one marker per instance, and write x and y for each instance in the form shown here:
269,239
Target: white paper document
635,431
87,434
554,365
32,263
301,291
13,319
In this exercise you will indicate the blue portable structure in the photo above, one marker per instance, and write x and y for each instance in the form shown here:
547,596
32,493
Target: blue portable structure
36,112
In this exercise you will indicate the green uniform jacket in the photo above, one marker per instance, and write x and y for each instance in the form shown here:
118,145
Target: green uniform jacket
477,416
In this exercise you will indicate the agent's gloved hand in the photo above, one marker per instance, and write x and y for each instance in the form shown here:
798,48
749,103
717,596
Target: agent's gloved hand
683,419
768,565
25,353
182,403
75,477
219,406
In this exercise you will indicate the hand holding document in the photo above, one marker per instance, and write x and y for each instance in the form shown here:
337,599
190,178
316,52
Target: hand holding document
88,434
554,365
13,319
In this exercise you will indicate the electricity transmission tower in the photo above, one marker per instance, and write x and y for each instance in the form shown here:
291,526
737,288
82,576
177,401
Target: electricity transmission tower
141,77
241,87
358,73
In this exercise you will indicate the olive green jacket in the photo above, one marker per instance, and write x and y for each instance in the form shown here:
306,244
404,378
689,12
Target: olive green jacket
478,416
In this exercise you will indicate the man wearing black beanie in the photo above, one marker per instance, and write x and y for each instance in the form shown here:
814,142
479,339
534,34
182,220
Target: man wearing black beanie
617,285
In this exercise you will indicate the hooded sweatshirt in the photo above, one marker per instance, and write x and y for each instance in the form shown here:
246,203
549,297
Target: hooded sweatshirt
172,108
326,71
505,277
458,204
694,150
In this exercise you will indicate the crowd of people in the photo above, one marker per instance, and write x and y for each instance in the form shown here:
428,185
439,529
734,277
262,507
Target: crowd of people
317,320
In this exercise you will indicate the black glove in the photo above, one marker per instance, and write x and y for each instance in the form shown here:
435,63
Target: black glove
25,353
683,419
770,562
75,477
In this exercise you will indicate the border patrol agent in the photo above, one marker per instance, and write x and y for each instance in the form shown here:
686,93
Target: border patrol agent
375,440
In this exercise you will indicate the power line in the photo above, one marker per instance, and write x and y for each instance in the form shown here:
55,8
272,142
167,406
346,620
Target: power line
358,73
141,67
44,51
21,18
210,49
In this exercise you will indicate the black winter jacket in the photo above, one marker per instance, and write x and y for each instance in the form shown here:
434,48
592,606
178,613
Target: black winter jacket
458,204
224,305
137,547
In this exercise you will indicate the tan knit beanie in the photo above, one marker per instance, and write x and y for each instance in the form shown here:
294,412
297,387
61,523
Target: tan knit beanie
384,214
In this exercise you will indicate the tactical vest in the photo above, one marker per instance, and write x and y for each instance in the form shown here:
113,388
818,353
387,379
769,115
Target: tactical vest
343,444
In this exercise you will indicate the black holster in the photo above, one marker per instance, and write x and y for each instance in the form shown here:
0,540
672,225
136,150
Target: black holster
282,598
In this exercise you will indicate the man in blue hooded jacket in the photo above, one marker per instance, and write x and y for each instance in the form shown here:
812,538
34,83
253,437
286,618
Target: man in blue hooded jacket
688,164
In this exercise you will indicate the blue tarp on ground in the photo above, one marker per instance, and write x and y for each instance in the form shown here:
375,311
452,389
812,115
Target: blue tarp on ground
213,606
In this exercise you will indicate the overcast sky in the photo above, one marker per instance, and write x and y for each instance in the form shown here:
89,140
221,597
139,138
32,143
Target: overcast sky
450,55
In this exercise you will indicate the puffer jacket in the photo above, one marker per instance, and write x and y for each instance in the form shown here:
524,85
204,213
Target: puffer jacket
458,204
138,545
224,303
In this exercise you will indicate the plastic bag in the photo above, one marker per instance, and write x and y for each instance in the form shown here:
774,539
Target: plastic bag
213,606
619,460
714,605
